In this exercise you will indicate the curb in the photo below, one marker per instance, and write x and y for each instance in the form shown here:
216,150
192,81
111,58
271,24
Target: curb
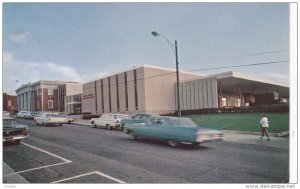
282,134
13,178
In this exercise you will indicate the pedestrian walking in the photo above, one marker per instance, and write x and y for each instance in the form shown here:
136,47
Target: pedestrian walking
264,126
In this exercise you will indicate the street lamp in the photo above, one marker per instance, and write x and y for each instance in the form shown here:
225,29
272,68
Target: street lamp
156,34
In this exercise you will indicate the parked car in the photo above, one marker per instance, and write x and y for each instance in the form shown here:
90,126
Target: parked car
50,119
70,119
174,130
12,131
31,115
109,120
5,114
21,114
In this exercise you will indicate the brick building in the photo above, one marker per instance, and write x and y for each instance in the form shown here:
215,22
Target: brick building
10,103
43,95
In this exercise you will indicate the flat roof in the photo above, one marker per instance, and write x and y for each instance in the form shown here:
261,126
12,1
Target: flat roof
145,66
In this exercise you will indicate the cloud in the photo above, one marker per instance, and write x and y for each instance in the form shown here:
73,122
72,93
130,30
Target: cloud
66,72
19,38
25,71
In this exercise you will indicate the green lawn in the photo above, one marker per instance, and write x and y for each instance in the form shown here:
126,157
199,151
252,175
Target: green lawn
243,121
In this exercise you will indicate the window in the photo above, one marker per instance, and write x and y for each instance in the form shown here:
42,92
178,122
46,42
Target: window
50,104
118,101
135,90
126,92
9,102
109,94
50,92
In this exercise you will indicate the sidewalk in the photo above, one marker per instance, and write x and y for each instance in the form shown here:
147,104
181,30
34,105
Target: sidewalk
277,139
17,178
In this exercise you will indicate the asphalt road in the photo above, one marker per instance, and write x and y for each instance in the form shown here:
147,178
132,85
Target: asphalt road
81,154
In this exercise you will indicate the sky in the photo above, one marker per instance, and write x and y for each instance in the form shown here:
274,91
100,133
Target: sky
84,41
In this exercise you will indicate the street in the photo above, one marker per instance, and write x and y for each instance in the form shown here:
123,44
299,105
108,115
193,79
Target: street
81,154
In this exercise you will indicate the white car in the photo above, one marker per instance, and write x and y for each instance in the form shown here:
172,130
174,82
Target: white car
22,114
109,120
50,119
5,114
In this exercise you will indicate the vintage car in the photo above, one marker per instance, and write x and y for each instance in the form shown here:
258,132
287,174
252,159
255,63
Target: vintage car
174,130
46,118
31,115
12,131
62,114
22,114
109,120
138,118
5,114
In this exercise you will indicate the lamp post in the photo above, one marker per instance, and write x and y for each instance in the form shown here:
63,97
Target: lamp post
156,34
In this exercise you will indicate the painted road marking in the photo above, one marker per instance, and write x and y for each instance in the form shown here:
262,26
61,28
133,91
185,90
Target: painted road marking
91,173
42,167
49,153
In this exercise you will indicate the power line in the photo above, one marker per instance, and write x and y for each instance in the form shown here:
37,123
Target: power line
242,65
238,56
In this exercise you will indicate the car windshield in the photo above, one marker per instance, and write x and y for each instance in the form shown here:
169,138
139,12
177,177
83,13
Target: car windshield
9,122
52,115
183,122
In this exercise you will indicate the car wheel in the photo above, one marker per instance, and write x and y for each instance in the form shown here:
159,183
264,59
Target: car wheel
108,127
37,123
44,124
17,141
131,135
172,143
195,144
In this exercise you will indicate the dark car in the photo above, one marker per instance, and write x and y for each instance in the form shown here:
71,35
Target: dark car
12,131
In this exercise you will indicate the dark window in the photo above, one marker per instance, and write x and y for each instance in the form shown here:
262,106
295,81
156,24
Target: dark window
102,98
109,94
126,92
135,90
117,84
96,96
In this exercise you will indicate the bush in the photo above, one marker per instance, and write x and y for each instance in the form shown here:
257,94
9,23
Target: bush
90,116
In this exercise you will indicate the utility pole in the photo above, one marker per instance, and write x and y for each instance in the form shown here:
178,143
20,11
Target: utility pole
177,77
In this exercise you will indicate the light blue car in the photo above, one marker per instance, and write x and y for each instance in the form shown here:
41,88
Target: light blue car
174,130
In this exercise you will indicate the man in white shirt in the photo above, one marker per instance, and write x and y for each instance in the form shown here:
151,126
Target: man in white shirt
264,126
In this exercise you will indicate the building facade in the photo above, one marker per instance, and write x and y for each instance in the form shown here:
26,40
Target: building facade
10,103
43,95
153,89
142,89
229,89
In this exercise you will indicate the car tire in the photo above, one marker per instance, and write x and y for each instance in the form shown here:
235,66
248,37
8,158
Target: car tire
172,143
18,141
44,124
108,127
131,135
195,144
37,123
